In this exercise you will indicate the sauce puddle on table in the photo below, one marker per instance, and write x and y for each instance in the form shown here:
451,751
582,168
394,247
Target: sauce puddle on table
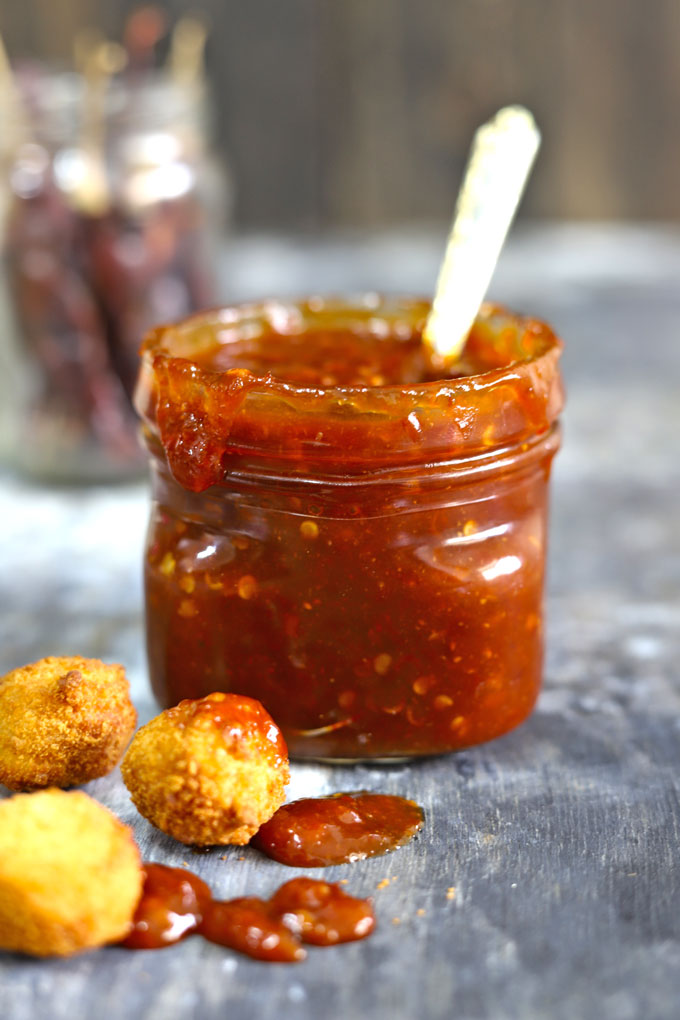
176,903
313,832
318,831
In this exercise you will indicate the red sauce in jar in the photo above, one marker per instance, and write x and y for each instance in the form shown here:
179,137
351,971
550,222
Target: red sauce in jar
318,831
176,903
345,530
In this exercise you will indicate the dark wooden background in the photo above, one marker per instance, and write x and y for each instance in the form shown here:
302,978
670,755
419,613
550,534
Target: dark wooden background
359,112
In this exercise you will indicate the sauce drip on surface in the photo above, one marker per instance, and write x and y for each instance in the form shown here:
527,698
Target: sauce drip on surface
321,913
319,831
172,905
176,903
302,910
249,926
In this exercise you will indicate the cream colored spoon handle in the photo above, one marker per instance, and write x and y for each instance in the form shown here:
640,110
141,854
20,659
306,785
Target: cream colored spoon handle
503,151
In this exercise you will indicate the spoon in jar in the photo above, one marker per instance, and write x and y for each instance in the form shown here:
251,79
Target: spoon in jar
502,154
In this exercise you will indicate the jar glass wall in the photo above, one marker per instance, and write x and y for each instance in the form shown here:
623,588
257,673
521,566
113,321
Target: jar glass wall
368,561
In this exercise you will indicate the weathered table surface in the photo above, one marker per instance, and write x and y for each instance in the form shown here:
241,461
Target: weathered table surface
560,840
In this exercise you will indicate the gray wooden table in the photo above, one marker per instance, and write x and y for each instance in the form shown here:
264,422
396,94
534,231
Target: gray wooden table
560,841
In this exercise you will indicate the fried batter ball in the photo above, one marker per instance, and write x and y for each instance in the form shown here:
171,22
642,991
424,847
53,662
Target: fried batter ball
70,874
63,721
208,771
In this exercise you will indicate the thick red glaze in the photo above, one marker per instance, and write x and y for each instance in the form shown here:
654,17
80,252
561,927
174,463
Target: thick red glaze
239,718
319,831
171,907
343,529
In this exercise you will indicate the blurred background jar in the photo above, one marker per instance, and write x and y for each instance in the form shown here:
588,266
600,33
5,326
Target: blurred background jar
112,204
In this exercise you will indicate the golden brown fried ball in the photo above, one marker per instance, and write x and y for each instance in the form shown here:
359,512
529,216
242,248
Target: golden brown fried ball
63,721
70,874
209,771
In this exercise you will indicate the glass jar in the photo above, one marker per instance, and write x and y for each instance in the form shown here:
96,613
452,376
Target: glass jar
366,559
111,201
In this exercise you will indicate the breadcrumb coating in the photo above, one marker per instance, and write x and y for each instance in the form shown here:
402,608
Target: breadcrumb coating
63,721
209,771
70,874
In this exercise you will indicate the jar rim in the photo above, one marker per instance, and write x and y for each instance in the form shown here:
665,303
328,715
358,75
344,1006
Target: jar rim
182,338
520,394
